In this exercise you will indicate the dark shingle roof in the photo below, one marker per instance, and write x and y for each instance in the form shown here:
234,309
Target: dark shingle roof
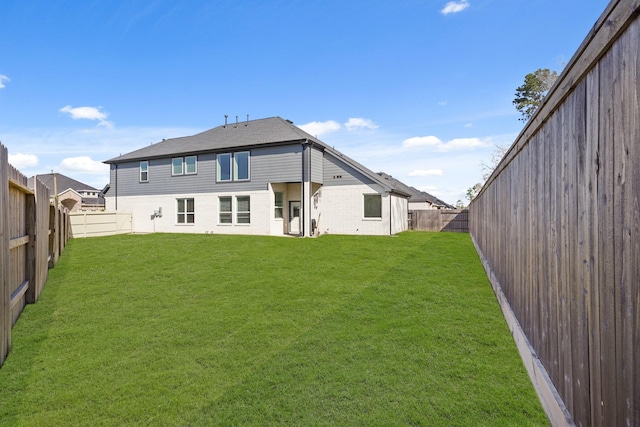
63,183
416,195
243,134
274,130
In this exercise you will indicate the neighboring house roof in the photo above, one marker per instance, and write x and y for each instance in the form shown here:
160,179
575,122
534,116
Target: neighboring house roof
245,135
417,196
64,183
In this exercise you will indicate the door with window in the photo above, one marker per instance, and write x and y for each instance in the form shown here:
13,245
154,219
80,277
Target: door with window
294,217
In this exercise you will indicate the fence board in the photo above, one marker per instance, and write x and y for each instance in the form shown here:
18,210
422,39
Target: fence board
439,220
558,227
5,273
24,244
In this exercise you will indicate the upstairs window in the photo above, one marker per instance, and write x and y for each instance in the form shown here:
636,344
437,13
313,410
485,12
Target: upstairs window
184,165
241,166
176,166
224,167
233,166
190,165
144,171
372,206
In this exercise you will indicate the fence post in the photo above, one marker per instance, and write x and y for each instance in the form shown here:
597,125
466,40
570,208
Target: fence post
5,292
31,268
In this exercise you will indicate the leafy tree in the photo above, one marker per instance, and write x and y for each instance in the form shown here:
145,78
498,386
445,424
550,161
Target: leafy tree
529,96
460,204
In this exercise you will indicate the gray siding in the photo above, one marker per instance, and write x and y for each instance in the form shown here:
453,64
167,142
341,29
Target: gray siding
317,166
270,164
335,172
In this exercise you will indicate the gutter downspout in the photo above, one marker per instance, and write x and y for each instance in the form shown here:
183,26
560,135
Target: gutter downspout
390,216
116,182
302,205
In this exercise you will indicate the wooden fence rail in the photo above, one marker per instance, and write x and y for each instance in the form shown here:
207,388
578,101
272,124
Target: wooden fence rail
439,220
557,226
33,233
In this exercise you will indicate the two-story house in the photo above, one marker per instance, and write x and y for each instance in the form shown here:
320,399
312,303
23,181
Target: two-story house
265,177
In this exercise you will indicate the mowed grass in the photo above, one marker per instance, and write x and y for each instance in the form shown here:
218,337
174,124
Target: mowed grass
201,330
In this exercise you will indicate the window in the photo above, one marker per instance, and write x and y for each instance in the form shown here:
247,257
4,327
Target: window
279,205
184,165
225,210
243,206
224,167
372,206
186,211
190,165
176,166
144,171
241,166
233,166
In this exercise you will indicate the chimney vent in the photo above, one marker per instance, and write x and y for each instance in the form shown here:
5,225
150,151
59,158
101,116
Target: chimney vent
225,120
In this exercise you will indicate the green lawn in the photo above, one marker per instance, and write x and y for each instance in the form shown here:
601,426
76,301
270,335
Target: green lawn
203,330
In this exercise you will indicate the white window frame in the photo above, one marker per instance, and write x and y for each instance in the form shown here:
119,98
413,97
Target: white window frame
219,169
364,206
236,168
185,214
238,212
175,162
186,165
278,208
145,170
228,213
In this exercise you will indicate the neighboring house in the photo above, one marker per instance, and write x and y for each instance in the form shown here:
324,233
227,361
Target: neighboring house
265,177
74,195
419,200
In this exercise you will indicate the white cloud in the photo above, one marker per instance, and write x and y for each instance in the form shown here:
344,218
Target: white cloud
422,141
21,161
3,79
465,144
457,144
455,7
83,164
88,113
320,128
356,123
426,172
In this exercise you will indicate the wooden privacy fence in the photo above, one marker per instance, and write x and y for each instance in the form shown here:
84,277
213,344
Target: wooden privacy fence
557,226
93,224
33,233
439,220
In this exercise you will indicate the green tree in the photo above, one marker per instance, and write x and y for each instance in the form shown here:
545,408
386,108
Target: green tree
529,96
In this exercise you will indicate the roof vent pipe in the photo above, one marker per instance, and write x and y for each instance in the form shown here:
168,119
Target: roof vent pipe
247,124
236,121
225,120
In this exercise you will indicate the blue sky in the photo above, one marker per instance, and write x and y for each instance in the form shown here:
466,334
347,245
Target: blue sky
419,89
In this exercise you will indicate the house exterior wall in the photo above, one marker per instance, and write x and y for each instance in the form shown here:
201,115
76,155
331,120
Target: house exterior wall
206,213
335,172
332,198
340,210
399,214
269,164
317,166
